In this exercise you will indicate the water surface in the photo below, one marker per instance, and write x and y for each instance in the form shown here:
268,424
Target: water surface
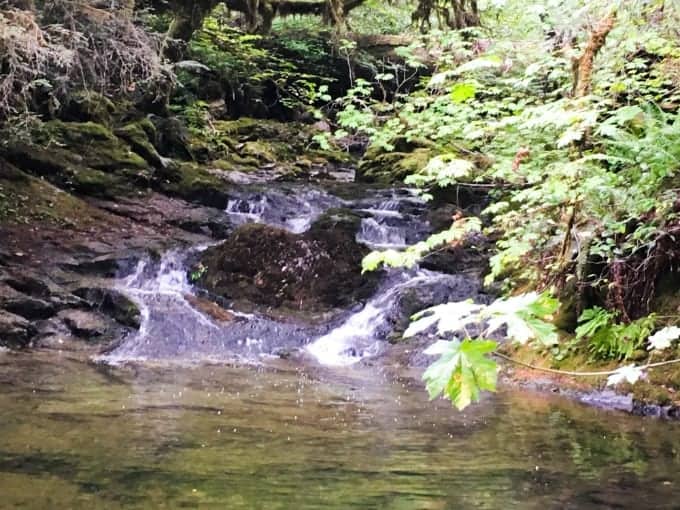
79,435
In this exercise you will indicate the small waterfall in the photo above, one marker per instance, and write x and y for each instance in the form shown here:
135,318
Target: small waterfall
246,211
393,222
159,290
362,334
172,328
380,235
293,210
178,325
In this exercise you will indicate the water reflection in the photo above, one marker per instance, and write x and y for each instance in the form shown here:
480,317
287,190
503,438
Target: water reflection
81,436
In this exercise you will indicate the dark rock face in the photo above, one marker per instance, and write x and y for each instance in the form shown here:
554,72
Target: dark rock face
112,303
108,266
315,271
30,308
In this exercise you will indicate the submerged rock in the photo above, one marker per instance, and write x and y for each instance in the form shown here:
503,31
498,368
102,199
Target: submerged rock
315,271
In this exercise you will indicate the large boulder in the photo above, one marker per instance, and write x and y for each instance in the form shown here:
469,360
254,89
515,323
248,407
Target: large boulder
317,271
81,156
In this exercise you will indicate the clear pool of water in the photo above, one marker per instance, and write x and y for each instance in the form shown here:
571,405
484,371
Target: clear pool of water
78,435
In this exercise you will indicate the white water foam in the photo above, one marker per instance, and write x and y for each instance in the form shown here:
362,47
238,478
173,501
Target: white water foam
358,337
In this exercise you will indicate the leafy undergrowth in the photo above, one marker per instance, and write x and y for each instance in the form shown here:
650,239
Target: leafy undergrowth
583,187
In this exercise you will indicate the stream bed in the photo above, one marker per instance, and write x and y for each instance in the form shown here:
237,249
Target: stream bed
82,435
259,412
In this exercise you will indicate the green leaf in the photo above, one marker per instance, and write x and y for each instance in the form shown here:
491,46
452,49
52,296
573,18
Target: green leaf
462,92
462,372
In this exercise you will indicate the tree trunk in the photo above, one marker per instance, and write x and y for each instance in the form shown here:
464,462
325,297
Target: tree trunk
582,66
454,14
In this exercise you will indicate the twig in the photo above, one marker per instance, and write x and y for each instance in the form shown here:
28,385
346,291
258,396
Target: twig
579,374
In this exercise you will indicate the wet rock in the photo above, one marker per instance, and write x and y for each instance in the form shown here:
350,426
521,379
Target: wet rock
447,288
442,217
608,399
315,271
84,324
28,284
109,266
112,303
15,331
51,327
209,308
30,308
8,293
63,300
461,259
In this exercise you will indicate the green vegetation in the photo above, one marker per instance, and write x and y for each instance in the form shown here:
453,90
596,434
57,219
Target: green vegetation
575,134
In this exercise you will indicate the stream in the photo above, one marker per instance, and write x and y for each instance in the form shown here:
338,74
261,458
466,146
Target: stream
283,436
260,412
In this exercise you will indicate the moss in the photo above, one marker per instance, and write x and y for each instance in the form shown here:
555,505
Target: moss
93,182
262,151
246,127
88,107
137,136
195,183
392,167
79,132
660,387
650,393
31,200
98,147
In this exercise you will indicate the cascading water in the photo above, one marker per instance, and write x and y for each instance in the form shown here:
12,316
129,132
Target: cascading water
394,221
293,210
172,328
363,333
160,291
175,328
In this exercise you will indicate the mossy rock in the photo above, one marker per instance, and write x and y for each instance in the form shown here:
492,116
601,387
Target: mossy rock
85,157
340,221
88,107
195,183
138,136
315,271
254,129
66,170
98,146
93,182
392,167
261,151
